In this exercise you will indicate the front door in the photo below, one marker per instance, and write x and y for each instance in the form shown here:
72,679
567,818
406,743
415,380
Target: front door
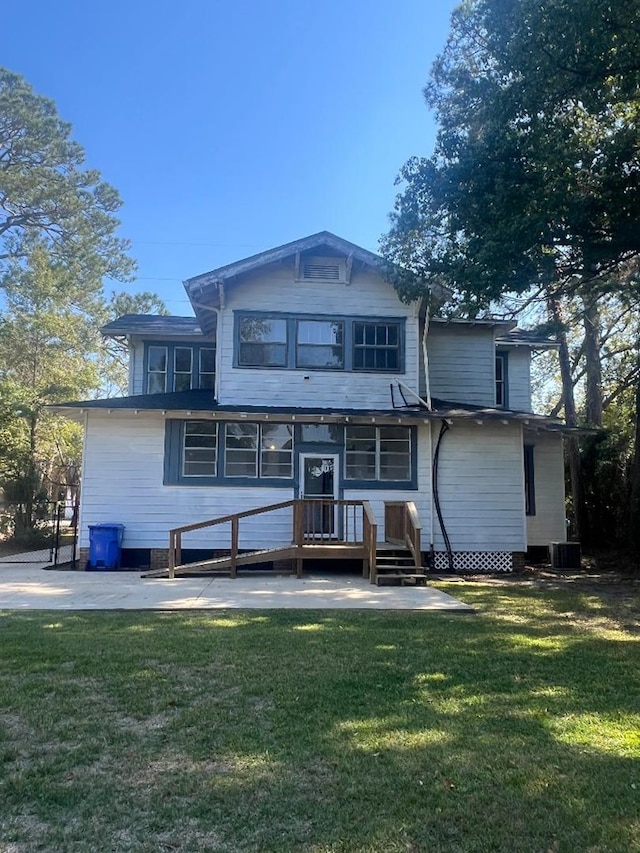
319,482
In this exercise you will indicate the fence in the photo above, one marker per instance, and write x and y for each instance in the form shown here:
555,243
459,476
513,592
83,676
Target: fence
50,538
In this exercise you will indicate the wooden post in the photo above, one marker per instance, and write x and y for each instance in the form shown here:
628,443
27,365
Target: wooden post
373,542
234,545
172,555
178,549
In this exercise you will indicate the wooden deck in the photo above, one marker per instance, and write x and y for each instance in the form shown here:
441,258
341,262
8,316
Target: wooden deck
321,530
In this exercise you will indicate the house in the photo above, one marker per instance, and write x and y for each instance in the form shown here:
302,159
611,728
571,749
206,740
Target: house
302,377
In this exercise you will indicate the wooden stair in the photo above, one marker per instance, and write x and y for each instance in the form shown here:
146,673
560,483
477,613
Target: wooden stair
395,566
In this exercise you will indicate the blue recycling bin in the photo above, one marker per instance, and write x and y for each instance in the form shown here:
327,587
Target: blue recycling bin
105,547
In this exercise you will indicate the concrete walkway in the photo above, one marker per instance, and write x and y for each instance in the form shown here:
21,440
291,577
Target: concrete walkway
34,588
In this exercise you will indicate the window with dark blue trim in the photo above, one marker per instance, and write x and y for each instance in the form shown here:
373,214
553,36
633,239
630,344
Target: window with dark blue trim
179,367
529,481
205,452
305,342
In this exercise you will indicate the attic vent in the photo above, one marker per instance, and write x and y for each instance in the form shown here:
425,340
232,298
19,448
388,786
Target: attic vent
325,271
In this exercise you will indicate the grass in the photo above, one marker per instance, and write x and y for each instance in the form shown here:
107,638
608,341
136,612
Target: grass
517,729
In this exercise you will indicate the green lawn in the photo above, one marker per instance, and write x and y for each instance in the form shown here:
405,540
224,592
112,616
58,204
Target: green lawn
515,729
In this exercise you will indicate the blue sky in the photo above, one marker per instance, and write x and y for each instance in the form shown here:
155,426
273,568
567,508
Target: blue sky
232,127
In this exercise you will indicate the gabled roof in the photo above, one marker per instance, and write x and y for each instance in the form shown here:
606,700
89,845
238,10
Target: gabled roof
151,324
322,240
204,290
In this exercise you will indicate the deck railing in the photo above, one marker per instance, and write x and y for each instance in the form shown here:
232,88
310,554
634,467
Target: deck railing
402,525
313,522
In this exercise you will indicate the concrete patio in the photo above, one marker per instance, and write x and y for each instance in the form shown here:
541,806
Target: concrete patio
32,587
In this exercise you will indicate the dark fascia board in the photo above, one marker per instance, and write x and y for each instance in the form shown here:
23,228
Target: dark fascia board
179,403
152,324
487,322
521,337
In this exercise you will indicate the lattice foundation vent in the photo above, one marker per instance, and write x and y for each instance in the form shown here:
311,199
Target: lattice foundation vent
475,561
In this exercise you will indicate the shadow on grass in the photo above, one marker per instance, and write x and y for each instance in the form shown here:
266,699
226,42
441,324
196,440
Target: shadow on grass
315,731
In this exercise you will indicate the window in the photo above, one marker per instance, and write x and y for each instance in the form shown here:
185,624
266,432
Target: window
200,449
529,481
157,370
207,368
206,452
501,380
179,367
376,346
378,453
320,344
241,450
274,443
299,342
182,368
263,342
276,450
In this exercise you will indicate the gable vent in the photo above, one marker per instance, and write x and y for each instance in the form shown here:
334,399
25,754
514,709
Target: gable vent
325,271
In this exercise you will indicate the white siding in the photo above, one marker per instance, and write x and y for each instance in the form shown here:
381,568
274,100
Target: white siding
275,290
481,486
519,379
136,367
124,463
462,364
548,524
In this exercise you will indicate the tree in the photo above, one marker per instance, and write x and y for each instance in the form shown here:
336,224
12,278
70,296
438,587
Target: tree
46,346
47,196
115,351
535,179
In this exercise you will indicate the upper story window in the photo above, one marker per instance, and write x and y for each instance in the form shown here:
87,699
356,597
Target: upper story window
179,367
262,342
319,343
376,346
501,380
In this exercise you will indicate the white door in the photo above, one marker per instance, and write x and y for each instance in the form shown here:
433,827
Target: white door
319,479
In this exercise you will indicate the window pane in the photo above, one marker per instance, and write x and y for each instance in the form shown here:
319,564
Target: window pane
263,330
156,383
263,355
241,463
319,332
182,382
157,359
182,359
207,361
325,433
319,356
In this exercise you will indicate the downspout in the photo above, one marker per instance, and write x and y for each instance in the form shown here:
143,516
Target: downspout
436,496
425,358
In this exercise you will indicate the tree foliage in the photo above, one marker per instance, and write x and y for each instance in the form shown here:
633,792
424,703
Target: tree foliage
48,197
536,172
